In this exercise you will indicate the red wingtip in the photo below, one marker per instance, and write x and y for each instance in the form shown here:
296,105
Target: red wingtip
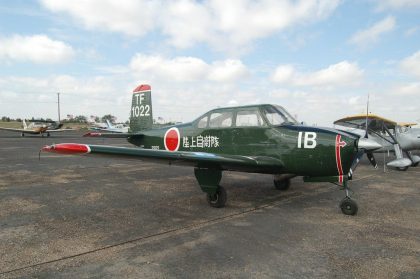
92,134
143,87
67,148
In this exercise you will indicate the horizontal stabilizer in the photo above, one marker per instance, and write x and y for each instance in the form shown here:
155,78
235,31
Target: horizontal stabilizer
400,163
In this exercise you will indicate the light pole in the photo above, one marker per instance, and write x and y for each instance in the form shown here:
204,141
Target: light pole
58,103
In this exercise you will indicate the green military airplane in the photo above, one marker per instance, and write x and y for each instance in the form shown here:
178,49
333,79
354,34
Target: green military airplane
255,138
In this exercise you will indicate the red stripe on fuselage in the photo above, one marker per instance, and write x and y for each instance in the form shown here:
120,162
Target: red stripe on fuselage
338,157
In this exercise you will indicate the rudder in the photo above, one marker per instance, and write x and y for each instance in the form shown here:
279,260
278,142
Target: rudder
141,117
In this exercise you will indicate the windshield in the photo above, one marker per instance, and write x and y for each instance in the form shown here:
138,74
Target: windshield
277,115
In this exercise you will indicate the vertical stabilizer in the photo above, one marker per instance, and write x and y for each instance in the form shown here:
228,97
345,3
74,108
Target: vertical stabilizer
108,123
141,117
24,124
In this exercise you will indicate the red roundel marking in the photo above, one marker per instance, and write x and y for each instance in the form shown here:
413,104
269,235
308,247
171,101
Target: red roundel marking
172,139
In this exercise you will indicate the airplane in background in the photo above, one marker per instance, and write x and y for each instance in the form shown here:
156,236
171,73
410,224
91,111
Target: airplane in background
96,126
109,127
256,139
38,128
117,128
392,136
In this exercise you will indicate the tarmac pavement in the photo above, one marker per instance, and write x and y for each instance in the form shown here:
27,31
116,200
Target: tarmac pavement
86,217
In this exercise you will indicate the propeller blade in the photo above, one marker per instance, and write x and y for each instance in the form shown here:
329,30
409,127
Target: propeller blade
355,162
372,159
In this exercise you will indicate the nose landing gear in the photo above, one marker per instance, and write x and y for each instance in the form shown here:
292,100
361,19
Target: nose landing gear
347,205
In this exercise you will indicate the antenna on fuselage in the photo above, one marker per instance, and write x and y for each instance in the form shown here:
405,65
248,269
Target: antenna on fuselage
367,115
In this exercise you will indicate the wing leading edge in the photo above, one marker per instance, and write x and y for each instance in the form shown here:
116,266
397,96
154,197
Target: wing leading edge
375,122
260,164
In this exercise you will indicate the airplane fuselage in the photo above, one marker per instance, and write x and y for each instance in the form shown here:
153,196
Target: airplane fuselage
303,150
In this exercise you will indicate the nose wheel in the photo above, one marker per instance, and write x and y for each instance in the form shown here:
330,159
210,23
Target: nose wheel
347,205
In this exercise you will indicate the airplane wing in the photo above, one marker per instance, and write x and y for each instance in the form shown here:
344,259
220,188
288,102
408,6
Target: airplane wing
407,124
195,159
19,130
109,135
375,122
58,130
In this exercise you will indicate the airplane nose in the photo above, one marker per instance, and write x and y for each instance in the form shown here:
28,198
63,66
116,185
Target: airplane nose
368,144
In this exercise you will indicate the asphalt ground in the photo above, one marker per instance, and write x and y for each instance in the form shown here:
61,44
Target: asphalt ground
86,217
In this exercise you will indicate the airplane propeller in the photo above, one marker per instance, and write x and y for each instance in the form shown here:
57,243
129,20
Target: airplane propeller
366,146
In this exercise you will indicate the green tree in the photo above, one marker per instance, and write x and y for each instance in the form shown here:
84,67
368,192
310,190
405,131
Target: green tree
109,117
80,119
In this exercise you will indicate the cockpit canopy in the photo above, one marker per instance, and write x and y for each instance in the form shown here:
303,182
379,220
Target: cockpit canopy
247,116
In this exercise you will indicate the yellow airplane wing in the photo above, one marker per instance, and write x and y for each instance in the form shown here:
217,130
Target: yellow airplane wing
358,121
407,124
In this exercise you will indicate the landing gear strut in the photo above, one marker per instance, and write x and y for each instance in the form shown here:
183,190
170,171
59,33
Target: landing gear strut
282,185
347,205
209,180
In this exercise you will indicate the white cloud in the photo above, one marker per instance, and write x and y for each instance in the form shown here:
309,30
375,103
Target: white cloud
397,4
409,89
184,69
340,74
130,17
411,64
37,48
28,96
224,25
227,70
364,38
411,31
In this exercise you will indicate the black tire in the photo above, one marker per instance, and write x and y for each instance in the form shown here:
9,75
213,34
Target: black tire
48,134
415,164
218,199
402,169
348,206
22,135
282,185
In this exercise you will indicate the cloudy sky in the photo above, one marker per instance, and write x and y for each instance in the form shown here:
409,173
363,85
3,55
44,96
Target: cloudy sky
319,59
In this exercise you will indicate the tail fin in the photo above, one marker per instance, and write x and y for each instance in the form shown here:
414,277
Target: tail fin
24,124
141,117
108,123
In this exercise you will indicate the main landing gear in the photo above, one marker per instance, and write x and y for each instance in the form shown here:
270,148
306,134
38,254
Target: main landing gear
217,199
209,180
347,205
282,182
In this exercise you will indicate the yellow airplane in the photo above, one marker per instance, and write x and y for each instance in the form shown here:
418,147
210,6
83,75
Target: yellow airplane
38,128
400,138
